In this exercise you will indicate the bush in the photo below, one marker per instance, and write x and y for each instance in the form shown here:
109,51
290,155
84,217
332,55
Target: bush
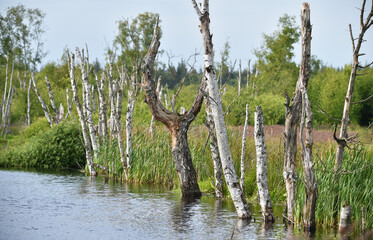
59,147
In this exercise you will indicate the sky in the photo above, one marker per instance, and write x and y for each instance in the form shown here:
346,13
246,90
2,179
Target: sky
72,23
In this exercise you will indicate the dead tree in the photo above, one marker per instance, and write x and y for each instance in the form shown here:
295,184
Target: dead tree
159,93
102,109
293,113
239,77
79,107
261,168
230,175
6,97
85,70
343,138
218,171
310,183
8,114
243,148
28,116
248,75
68,103
43,106
177,124
2,110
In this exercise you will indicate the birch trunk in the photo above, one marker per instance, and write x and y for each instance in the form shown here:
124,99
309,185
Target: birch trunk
129,120
243,148
345,218
112,98
218,171
28,104
7,114
2,110
159,93
343,135
230,175
51,98
239,77
310,182
69,104
84,67
248,75
44,107
87,143
93,94
261,168
102,109
177,124
118,127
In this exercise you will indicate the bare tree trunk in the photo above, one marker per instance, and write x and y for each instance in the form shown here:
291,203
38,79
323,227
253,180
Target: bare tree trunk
218,171
2,110
177,124
239,77
159,93
51,98
310,182
242,208
342,140
87,143
243,148
112,99
248,75
345,218
85,69
93,98
132,94
69,104
44,107
7,114
28,104
102,105
261,168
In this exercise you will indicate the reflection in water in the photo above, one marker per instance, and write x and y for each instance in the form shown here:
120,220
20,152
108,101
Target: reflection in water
74,206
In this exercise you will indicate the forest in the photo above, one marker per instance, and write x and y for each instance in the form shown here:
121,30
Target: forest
269,131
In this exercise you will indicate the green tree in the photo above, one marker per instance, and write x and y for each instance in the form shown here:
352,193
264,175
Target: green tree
278,72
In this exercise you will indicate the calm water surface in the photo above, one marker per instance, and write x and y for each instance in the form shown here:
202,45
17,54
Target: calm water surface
74,206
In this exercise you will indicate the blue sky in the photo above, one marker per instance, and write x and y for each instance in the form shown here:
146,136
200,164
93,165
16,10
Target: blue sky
73,23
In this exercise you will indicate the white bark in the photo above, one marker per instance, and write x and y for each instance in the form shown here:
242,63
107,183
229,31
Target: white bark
112,99
159,94
68,103
2,109
6,128
243,148
248,75
84,67
28,104
261,168
239,77
8,97
345,218
44,107
129,119
51,98
102,106
231,178
87,143
93,94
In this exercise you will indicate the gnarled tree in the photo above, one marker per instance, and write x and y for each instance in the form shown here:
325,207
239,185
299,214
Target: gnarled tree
177,124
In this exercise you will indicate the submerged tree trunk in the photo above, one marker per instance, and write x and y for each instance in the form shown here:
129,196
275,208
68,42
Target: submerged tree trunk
177,124
230,175
342,140
87,143
243,148
218,171
261,168
44,107
310,182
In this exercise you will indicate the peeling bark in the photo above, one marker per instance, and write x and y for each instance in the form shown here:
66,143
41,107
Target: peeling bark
243,148
261,168
87,143
310,182
44,107
218,171
230,175
177,124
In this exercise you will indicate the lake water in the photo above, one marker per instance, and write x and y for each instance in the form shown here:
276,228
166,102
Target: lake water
73,206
